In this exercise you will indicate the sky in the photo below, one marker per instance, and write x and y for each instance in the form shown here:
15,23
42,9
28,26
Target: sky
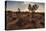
23,5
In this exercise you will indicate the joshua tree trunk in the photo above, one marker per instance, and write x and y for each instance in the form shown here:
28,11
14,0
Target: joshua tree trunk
33,13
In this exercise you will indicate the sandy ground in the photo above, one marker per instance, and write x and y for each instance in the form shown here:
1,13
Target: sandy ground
24,20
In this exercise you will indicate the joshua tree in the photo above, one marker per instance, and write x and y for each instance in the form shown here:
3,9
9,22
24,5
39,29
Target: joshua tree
18,9
29,7
33,8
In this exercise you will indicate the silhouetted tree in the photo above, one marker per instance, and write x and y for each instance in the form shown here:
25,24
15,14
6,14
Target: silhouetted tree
18,9
29,7
33,8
